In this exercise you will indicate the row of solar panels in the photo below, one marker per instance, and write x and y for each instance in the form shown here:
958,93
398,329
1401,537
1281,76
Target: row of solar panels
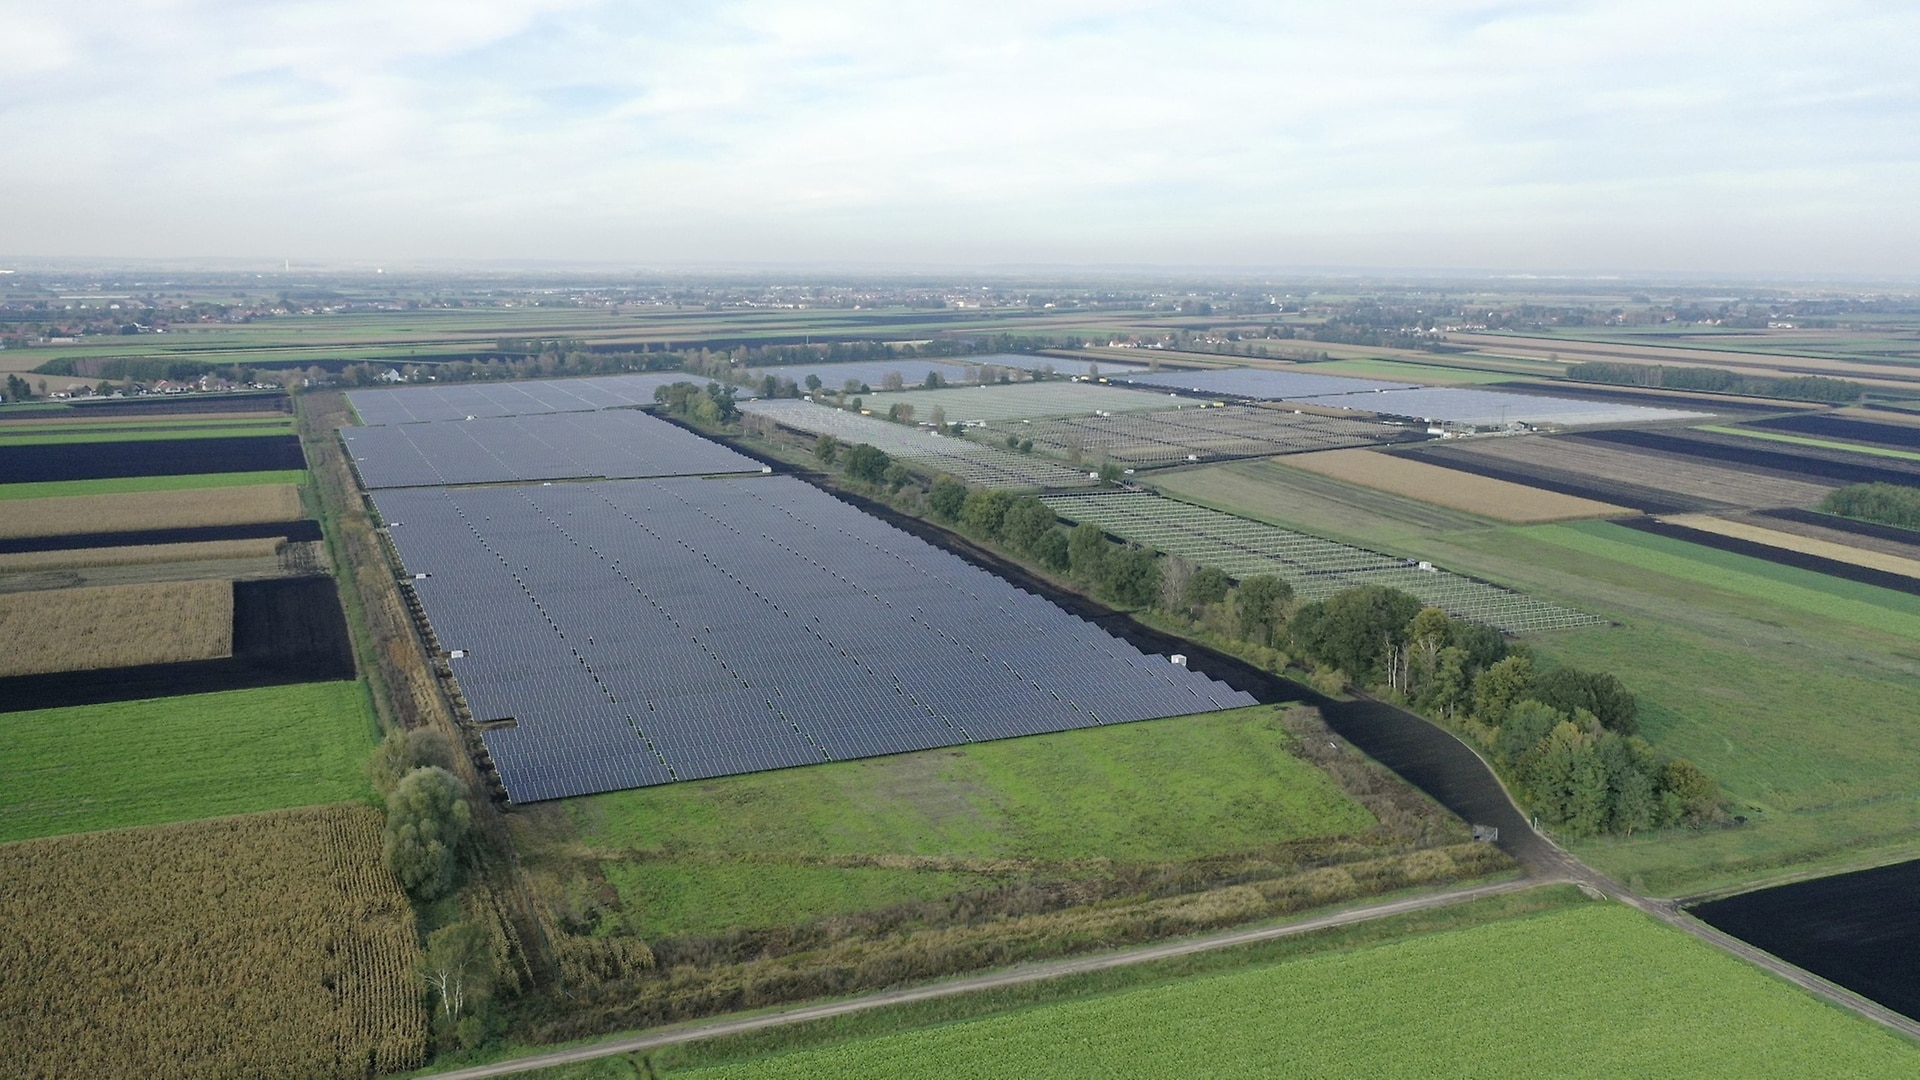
460,401
639,632
1432,403
615,444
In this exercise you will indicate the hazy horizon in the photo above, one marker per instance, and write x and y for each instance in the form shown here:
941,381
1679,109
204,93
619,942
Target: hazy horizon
1566,140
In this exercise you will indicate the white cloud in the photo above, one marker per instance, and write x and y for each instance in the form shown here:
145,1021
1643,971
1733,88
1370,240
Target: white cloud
1549,135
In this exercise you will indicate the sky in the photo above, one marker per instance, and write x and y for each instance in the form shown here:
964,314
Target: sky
1553,137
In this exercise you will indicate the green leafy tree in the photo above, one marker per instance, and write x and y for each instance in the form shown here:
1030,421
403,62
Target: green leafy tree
1359,631
946,498
1026,521
897,476
1110,473
460,968
1448,688
1499,687
1051,550
1598,692
1087,550
1261,602
827,449
427,819
868,463
1131,576
813,382
985,511
401,752
1209,585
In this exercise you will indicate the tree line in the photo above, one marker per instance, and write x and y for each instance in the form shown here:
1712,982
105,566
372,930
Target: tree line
1882,504
1719,381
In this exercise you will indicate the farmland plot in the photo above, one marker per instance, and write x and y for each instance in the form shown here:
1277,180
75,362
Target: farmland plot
1315,567
1463,491
1016,401
115,626
141,510
1641,479
76,558
266,946
1168,436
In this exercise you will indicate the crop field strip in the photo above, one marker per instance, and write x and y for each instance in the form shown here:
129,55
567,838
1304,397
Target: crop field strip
981,466
1785,549
91,556
1019,401
1645,480
1836,467
766,625
305,530
1315,567
272,946
1168,436
1417,479
63,437
1825,426
121,485
134,511
460,401
114,626
1905,541
617,444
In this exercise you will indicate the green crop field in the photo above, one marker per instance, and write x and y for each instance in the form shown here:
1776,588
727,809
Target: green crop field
1822,444
771,848
1596,990
115,485
59,437
180,758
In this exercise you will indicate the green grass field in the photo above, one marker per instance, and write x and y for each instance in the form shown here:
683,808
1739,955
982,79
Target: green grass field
1596,990
1823,444
768,848
117,484
181,758
64,436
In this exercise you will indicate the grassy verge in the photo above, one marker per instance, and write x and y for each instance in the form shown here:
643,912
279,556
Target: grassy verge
1592,989
181,758
116,484
769,848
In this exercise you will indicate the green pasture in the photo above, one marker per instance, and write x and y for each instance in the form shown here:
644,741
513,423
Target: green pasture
1594,990
1823,444
180,758
114,485
774,848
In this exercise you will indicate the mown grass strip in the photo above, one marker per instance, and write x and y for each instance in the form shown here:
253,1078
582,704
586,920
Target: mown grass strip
1823,444
1597,990
63,437
115,484
1802,590
181,758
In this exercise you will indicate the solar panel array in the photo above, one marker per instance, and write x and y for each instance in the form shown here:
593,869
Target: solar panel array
1055,364
1260,383
457,401
1315,567
1014,401
639,632
614,443
1496,408
871,373
982,466
1201,434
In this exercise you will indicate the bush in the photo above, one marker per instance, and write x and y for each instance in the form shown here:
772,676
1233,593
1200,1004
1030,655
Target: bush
946,497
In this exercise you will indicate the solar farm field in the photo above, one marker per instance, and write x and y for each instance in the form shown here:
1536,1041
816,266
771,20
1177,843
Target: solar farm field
641,632
179,758
113,626
414,404
1019,401
1595,990
768,849
265,946
1168,436
1315,567
1416,479
980,466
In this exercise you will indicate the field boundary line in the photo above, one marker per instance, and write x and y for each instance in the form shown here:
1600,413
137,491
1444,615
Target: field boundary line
1014,976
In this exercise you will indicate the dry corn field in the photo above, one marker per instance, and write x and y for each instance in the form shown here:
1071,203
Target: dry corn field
262,946
73,558
1482,495
136,510
115,626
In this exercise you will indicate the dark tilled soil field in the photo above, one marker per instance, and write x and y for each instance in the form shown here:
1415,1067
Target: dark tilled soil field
1861,930
162,406
1821,426
1865,575
166,457
285,630
1806,464
297,531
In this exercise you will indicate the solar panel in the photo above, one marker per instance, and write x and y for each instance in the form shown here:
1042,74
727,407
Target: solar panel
458,401
643,631
617,444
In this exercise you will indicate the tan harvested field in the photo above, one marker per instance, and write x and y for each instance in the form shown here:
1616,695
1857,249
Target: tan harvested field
1723,484
77,558
1806,545
136,510
115,626
271,946
1752,363
1482,495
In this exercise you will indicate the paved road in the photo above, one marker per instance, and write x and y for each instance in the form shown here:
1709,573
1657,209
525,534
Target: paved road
1013,976
1430,758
